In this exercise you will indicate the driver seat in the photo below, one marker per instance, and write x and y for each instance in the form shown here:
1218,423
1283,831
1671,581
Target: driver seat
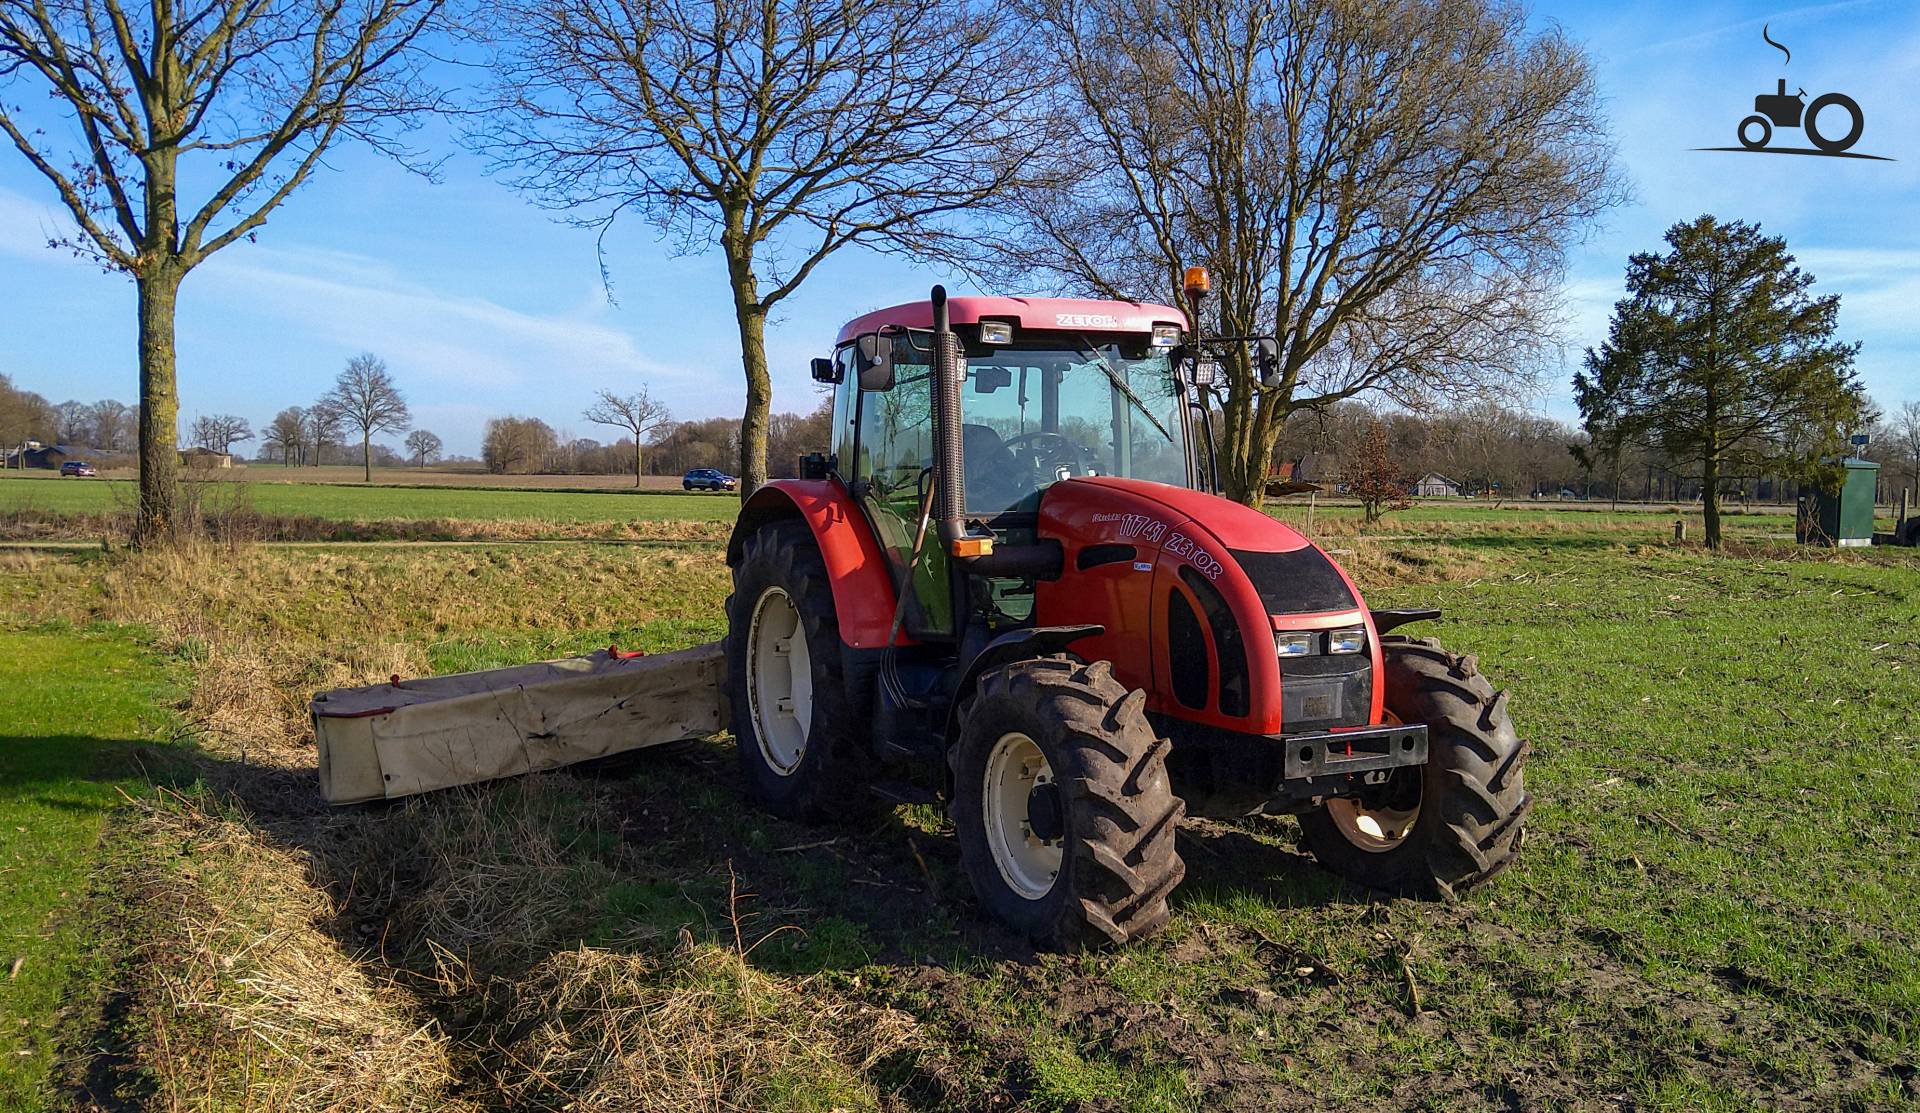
993,483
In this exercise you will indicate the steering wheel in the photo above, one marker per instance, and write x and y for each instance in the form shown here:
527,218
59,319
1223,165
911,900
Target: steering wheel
1047,453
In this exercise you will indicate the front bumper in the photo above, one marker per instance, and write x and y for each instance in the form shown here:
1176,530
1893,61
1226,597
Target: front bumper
1359,750
1223,773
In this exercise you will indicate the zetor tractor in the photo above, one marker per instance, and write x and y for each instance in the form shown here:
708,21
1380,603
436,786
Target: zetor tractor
1010,581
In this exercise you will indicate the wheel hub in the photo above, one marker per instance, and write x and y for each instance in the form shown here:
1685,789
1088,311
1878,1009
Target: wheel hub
1046,814
1380,820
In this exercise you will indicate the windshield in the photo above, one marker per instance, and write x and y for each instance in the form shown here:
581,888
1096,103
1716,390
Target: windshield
1086,405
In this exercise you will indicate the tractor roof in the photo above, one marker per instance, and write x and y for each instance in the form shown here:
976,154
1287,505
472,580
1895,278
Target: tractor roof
1078,314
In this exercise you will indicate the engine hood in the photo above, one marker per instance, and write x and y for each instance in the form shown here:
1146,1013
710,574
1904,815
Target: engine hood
1234,526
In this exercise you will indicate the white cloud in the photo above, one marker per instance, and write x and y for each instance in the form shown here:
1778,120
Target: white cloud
357,302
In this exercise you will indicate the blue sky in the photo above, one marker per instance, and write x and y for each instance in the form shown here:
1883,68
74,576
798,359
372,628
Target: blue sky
482,304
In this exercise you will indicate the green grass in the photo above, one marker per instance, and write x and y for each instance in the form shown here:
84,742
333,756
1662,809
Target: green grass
73,707
353,503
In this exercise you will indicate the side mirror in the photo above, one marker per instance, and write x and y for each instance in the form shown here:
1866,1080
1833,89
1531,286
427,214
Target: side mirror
873,354
1266,360
826,371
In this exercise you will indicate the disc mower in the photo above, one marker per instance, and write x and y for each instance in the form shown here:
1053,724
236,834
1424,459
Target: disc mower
1011,586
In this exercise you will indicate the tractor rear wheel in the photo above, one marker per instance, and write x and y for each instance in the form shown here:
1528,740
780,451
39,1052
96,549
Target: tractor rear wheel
1065,814
801,746
1436,829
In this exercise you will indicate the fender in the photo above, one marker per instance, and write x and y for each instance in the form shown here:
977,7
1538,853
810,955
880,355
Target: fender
862,582
1016,645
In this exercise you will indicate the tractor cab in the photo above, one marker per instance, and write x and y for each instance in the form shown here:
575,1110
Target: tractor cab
1049,390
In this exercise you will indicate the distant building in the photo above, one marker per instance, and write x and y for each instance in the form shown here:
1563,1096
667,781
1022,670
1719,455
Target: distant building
1433,485
39,455
1320,468
205,458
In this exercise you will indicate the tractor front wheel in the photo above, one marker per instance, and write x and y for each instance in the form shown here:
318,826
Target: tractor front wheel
1065,815
1440,828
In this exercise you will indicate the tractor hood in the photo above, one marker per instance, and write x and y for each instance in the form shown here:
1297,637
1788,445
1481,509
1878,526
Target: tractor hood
1192,590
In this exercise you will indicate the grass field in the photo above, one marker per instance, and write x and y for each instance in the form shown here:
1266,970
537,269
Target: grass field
78,710
1716,907
339,503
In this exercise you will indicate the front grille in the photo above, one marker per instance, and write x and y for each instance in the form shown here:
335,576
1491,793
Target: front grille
1321,692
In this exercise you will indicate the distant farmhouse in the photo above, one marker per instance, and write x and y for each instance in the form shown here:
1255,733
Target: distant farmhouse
205,458
1322,469
1433,485
36,455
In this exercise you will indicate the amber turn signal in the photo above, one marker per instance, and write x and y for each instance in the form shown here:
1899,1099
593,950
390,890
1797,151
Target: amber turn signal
968,547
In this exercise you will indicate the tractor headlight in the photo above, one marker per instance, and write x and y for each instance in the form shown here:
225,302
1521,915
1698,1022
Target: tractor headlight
1295,643
996,332
1351,640
1166,336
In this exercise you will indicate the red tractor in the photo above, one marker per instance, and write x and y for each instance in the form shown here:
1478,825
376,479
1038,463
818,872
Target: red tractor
1010,580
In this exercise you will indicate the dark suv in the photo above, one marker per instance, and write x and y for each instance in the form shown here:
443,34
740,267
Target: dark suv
77,467
708,479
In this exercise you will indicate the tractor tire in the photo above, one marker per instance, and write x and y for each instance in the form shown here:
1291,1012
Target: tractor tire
1065,814
803,750
1467,803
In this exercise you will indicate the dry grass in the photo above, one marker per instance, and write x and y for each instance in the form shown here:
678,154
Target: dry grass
241,1002
263,629
698,1030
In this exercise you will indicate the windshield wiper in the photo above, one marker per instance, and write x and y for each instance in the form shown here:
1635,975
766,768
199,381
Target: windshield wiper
1120,384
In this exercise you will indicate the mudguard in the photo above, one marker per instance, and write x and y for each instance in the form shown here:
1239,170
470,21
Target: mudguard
863,590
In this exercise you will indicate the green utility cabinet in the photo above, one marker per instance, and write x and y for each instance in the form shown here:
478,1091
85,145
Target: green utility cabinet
1843,517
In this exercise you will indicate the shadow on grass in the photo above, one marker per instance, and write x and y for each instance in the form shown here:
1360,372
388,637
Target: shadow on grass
38,767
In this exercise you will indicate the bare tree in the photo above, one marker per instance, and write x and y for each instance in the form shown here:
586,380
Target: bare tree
72,422
24,416
323,427
286,433
783,130
219,432
1386,186
240,97
366,399
1906,428
423,446
113,424
638,413
516,444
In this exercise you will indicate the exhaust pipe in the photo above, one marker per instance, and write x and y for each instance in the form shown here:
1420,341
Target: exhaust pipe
950,481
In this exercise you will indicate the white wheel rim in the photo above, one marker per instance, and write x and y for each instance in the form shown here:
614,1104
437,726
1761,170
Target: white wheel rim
779,681
1377,830
1026,863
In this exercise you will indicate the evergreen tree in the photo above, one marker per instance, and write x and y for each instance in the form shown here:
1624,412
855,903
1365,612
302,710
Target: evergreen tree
1720,356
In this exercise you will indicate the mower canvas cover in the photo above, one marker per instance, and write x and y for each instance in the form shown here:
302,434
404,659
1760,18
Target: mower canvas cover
403,737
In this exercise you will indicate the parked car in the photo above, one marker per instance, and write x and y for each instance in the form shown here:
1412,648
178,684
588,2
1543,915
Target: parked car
77,467
708,479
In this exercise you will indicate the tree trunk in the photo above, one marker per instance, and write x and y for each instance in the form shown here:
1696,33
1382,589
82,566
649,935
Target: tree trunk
751,317
753,423
1710,498
366,456
636,458
158,293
